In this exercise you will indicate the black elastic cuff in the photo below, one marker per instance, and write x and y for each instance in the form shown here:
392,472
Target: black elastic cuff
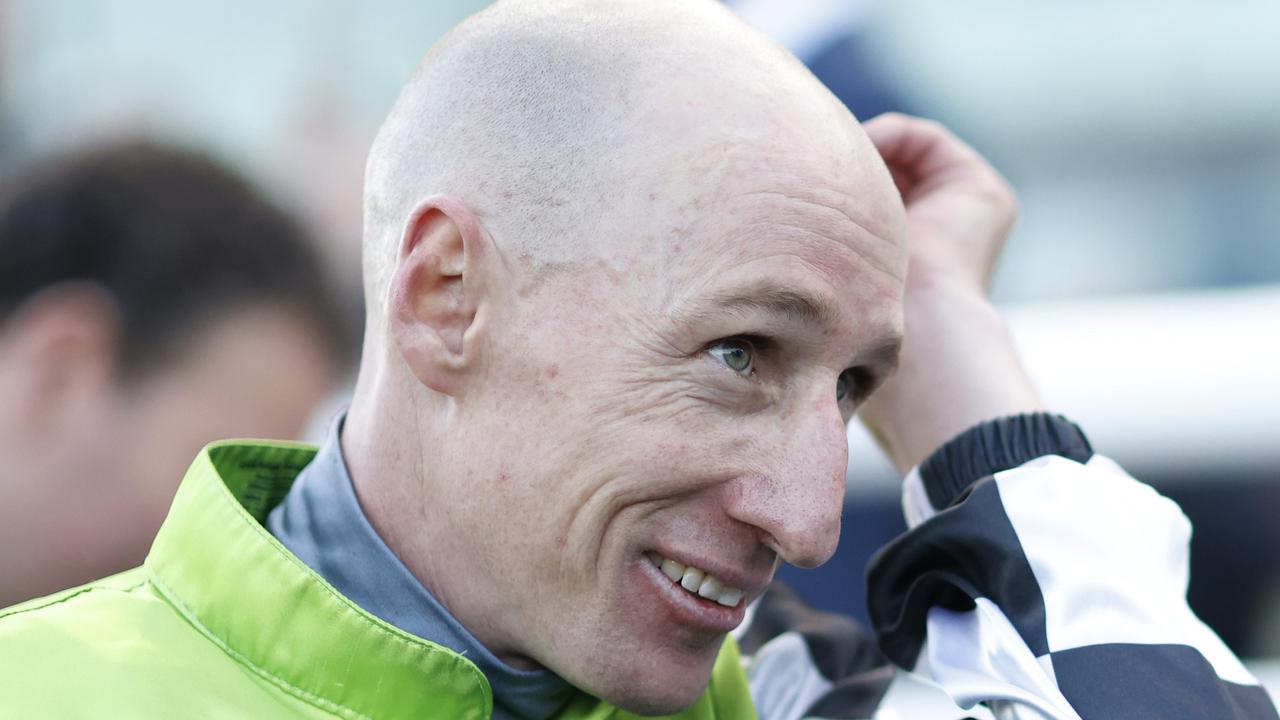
996,446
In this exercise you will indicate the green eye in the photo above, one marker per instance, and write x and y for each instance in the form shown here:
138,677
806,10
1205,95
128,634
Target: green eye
738,355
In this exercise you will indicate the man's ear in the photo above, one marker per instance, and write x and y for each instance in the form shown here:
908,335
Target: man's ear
60,349
437,293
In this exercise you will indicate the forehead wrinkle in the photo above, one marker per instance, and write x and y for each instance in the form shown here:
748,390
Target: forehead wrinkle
862,227
872,261
865,223
758,234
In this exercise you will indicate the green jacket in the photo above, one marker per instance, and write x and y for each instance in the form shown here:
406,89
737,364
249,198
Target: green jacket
222,621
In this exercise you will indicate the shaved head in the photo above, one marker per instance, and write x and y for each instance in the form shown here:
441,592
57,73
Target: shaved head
630,269
565,124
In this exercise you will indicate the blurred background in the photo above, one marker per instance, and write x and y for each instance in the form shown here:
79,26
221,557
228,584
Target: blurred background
1142,282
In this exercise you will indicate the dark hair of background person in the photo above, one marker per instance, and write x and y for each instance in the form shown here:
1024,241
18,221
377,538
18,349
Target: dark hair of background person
176,239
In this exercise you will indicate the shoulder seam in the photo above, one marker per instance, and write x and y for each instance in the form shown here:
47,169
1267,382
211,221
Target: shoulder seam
59,599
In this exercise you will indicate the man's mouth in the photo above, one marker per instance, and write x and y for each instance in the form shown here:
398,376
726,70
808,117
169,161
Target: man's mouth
697,581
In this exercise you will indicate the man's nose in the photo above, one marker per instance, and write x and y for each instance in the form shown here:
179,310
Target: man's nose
796,498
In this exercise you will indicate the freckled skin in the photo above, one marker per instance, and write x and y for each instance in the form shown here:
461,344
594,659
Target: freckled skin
631,433
595,425
653,446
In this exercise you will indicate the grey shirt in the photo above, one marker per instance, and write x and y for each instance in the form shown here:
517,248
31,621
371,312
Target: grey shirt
321,522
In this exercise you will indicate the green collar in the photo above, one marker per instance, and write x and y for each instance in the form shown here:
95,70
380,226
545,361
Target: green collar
215,562
218,565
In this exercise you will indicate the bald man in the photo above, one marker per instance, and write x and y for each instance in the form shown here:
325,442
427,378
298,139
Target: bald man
630,271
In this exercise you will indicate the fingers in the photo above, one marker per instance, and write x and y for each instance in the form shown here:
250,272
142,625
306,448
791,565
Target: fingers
922,145
923,154
959,209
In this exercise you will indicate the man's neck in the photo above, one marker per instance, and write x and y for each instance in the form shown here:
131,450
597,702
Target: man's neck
330,527
398,490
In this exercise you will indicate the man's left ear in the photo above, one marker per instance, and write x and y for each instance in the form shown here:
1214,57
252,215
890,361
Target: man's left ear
438,291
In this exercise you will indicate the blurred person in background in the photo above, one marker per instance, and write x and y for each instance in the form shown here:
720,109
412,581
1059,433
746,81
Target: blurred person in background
150,301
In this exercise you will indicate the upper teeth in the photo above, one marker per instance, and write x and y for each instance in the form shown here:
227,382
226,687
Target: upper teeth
698,581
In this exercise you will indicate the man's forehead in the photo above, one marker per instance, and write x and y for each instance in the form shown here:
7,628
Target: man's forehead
777,247
735,195
821,229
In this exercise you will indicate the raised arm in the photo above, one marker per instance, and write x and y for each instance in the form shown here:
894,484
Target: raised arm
958,365
1037,578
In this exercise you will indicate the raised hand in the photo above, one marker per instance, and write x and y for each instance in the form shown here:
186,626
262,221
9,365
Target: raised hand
958,365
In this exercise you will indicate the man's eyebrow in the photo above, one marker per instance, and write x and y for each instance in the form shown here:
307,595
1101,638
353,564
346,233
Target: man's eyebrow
795,305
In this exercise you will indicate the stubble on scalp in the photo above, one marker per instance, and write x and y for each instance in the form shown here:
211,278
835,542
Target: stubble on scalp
584,130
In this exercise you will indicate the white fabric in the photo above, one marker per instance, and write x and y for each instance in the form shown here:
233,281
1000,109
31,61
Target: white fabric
1111,557
916,507
978,656
784,680
913,697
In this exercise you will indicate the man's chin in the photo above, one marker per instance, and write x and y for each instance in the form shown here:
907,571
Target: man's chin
657,690
653,704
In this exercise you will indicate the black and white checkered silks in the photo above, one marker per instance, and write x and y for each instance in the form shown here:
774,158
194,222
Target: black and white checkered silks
1036,580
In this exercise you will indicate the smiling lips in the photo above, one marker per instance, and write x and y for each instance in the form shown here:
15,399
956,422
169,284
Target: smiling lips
697,581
